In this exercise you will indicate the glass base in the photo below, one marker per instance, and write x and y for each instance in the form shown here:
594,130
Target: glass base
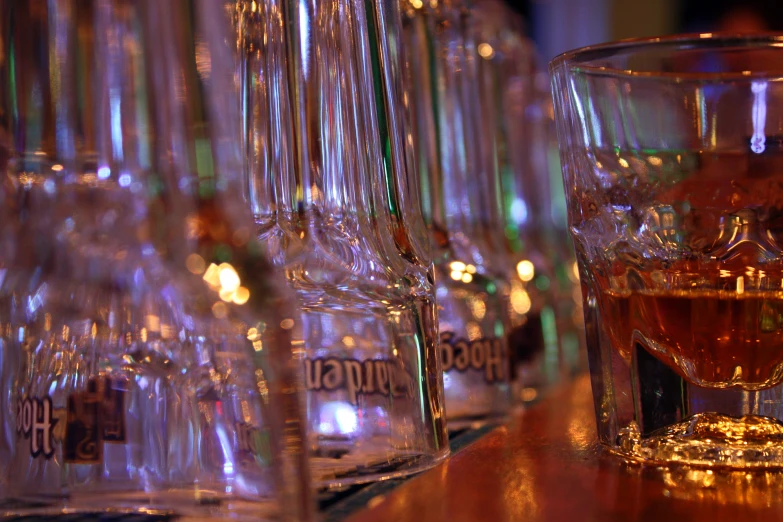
180,505
709,440
360,468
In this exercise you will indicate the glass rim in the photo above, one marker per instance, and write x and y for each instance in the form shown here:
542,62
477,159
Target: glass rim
576,59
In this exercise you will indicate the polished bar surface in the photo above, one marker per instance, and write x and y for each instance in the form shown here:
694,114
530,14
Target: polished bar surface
547,465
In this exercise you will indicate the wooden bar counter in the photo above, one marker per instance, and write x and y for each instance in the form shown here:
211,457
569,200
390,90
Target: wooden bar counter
546,465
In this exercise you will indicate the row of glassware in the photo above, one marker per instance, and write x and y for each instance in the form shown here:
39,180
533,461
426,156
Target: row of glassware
254,245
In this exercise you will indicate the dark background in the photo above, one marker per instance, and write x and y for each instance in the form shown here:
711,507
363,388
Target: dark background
559,25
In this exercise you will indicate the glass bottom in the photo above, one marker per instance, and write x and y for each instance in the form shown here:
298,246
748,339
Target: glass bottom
709,440
474,423
180,505
361,467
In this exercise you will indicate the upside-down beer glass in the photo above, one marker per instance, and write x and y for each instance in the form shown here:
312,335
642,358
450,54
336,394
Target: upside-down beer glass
673,164
329,187
458,190
510,109
145,345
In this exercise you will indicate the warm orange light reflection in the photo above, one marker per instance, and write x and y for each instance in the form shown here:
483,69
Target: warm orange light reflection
287,324
485,50
195,264
525,270
520,301
241,296
229,279
219,310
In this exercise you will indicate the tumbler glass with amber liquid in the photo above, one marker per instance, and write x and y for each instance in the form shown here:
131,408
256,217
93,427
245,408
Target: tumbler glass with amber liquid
673,166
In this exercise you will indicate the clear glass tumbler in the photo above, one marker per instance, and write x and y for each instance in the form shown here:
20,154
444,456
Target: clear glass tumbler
670,151
335,201
147,365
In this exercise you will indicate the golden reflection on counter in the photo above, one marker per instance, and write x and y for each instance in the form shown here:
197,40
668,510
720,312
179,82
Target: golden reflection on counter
546,466
760,488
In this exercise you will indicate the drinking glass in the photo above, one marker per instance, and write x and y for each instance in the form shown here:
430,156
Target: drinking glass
670,150
546,174
330,187
546,225
459,199
510,112
147,365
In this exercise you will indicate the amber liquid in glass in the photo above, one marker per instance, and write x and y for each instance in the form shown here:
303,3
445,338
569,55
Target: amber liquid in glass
713,338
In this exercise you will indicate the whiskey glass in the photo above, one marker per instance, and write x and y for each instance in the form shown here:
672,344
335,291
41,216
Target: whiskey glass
334,197
147,365
671,151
